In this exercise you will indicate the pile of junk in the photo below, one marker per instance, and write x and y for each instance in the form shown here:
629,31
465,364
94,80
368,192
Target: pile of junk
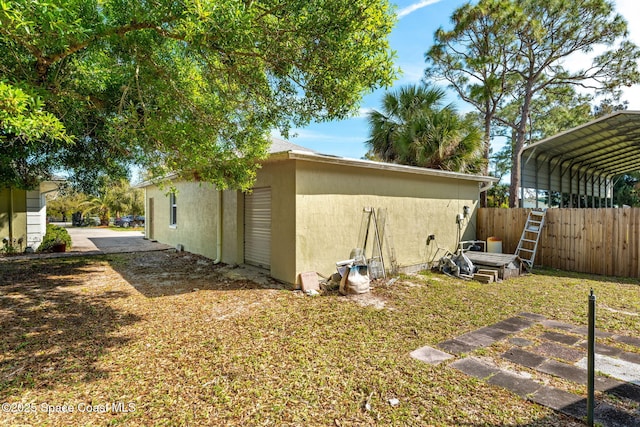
472,261
354,275
457,265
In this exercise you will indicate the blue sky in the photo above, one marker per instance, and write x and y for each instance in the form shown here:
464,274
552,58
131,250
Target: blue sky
411,38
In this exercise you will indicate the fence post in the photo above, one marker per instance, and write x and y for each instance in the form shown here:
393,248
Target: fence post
591,350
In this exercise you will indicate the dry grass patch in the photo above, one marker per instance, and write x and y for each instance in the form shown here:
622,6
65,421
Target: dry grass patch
184,344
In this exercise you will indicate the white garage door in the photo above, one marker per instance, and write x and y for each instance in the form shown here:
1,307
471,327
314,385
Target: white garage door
257,227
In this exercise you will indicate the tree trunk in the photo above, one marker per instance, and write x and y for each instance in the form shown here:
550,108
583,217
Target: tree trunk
486,154
515,174
521,133
516,161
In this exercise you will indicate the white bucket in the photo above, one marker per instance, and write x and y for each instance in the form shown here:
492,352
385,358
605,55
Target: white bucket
494,245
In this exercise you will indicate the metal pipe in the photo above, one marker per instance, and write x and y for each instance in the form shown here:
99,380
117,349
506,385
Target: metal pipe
218,228
591,350
10,216
578,193
536,181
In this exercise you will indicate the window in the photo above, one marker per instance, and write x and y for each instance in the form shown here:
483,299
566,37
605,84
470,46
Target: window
173,210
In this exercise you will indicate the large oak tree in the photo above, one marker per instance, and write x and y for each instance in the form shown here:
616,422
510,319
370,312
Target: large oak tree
192,86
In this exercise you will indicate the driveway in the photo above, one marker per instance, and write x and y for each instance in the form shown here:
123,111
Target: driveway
105,240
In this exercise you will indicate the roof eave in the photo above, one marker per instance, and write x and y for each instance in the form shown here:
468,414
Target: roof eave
369,164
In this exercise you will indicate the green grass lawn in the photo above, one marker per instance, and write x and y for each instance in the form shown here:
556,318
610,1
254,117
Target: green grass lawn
183,345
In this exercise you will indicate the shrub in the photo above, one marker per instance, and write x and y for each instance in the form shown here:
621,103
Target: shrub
55,235
11,247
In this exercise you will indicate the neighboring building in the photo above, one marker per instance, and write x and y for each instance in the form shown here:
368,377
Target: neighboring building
306,209
23,215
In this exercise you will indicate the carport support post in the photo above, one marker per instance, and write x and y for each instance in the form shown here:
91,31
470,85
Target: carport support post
591,350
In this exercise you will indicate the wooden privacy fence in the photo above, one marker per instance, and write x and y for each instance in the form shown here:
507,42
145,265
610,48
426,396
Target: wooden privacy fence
597,241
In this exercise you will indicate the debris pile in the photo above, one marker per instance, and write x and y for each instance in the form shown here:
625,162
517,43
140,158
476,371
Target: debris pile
457,265
354,274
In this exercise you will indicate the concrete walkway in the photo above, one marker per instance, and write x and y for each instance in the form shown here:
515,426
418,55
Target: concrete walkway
107,241
559,351
97,241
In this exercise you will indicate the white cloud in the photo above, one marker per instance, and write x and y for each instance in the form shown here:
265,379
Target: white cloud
416,6
363,112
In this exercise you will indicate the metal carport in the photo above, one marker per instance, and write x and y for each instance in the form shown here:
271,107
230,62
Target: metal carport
583,162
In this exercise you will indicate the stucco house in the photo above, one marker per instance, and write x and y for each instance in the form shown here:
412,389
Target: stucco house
23,215
305,212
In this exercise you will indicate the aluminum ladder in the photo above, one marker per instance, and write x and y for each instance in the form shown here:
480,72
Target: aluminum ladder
528,245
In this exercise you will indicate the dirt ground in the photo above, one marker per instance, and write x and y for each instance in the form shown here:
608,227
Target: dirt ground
147,273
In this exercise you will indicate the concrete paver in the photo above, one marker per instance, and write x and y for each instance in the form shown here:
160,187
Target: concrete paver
560,400
582,330
475,368
620,389
523,357
495,333
514,324
549,346
520,342
627,340
603,349
552,349
430,355
517,384
554,324
630,357
477,339
563,370
561,338
457,347
615,367
611,416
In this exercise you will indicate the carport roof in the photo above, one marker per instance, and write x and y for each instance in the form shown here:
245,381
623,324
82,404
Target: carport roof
605,147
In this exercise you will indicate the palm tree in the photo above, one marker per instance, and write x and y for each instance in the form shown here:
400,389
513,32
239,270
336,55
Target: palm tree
99,206
415,128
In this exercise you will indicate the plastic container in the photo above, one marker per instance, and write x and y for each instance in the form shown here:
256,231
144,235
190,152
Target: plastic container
494,245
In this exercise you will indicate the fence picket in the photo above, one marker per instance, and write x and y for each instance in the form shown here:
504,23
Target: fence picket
602,241
610,255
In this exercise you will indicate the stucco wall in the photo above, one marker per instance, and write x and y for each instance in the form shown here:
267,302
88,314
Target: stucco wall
330,200
316,211
196,217
281,177
19,220
232,230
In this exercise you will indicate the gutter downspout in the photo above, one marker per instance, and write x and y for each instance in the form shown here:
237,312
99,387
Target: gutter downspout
486,187
10,216
147,221
219,230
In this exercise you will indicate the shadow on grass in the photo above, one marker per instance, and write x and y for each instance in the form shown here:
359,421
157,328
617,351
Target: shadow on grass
167,273
53,334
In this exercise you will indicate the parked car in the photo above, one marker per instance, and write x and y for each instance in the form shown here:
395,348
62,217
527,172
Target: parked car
78,220
129,221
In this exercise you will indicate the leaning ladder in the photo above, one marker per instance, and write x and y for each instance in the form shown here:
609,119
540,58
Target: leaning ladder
528,245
